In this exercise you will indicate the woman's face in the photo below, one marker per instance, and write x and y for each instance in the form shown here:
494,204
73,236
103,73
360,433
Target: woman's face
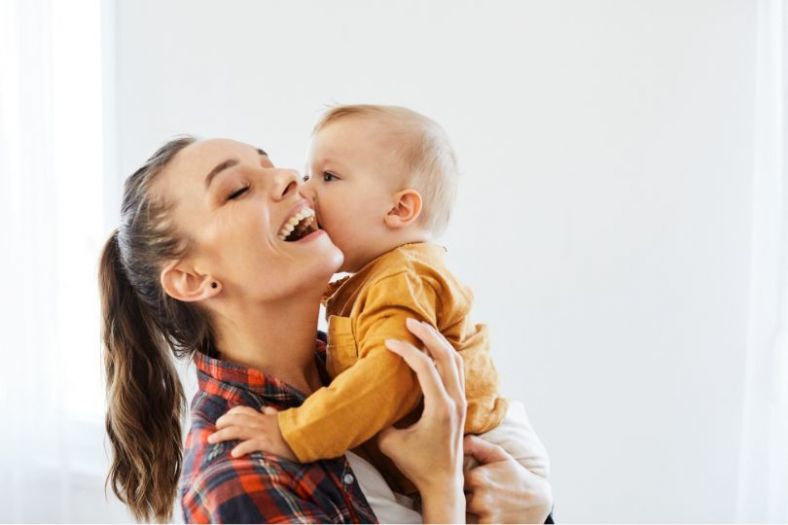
235,206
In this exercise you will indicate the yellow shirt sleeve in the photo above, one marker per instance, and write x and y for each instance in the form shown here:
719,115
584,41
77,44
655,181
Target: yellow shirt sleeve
379,389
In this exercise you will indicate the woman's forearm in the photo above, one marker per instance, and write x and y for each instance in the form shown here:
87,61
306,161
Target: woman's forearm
430,452
443,504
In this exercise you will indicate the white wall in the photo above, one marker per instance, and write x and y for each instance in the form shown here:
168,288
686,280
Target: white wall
604,214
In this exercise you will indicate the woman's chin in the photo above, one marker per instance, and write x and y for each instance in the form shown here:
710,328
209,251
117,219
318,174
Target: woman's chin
334,261
330,255
307,266
325,260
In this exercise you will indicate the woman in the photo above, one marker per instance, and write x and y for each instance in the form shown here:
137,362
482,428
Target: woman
197,267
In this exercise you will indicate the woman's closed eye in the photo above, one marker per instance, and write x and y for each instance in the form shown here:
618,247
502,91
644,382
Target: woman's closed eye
237,193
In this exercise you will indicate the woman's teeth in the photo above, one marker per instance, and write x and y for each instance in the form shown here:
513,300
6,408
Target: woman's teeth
304,217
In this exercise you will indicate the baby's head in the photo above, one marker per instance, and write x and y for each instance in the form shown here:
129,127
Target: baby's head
380,176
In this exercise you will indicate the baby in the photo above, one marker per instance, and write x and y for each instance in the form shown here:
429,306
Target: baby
383,181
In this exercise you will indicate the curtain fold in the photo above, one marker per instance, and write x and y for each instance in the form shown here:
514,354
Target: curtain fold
763,466
52,453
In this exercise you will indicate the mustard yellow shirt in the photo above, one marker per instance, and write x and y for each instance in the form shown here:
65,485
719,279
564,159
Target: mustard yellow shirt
372,388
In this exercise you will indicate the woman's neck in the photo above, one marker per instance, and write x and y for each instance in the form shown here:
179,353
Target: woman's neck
277,339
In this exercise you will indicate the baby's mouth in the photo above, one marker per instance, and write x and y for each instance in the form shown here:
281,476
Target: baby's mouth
299,225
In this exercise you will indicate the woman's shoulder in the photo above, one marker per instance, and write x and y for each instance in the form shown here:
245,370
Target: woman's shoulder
203,458
224,489
257,488
217,487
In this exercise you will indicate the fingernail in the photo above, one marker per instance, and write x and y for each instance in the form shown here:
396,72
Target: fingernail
211,439
391,344
412,323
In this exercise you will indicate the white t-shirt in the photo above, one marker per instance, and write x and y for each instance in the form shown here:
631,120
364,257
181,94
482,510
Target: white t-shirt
515,435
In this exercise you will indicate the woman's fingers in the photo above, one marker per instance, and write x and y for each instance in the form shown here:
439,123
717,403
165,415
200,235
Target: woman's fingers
479,504
446,358
460,370
427,375
483,451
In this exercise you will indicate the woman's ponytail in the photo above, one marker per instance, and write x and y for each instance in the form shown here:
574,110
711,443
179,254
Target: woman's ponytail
144,397
142,328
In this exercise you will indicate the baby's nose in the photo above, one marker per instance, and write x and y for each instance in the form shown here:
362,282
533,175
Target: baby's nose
308,193
308,188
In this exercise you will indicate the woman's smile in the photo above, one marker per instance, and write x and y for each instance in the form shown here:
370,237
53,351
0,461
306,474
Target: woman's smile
300,224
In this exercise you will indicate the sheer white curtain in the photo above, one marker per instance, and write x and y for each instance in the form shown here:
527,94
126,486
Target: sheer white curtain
52,164
763,495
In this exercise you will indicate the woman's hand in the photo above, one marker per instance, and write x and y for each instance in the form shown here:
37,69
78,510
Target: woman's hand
501,490
430,452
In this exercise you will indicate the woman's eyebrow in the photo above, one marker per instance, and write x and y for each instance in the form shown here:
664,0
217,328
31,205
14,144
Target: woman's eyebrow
229,163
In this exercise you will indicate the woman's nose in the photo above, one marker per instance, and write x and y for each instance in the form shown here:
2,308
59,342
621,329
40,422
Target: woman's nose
286,183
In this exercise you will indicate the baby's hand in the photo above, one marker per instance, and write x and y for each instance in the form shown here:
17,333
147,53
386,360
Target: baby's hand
256,431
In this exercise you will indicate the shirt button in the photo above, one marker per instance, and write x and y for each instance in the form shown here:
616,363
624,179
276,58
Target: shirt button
348,479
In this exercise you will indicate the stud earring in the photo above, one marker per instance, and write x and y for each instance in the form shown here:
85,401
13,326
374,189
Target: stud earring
214,284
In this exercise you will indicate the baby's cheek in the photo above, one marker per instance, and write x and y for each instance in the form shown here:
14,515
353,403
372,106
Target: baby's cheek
339,233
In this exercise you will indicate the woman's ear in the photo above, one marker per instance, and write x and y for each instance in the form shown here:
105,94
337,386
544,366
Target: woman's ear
184,284
406,209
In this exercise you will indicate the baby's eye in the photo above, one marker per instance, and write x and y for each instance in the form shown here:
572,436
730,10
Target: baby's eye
237,193
328,176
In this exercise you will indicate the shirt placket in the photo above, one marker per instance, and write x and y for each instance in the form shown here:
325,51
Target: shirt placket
346,482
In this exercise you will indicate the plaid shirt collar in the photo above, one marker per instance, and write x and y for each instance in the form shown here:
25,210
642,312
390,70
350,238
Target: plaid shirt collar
219,377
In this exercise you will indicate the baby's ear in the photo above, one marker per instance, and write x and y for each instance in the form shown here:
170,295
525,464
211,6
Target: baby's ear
406,209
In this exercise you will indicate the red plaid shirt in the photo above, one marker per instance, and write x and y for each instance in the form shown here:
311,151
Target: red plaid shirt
258,488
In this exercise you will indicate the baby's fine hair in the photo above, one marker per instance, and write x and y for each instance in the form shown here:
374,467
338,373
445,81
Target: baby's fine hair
428,159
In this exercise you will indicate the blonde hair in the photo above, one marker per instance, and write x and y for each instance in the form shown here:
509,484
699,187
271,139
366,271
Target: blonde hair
429,161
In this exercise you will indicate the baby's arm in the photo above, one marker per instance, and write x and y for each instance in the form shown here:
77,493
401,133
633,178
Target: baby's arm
378,390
